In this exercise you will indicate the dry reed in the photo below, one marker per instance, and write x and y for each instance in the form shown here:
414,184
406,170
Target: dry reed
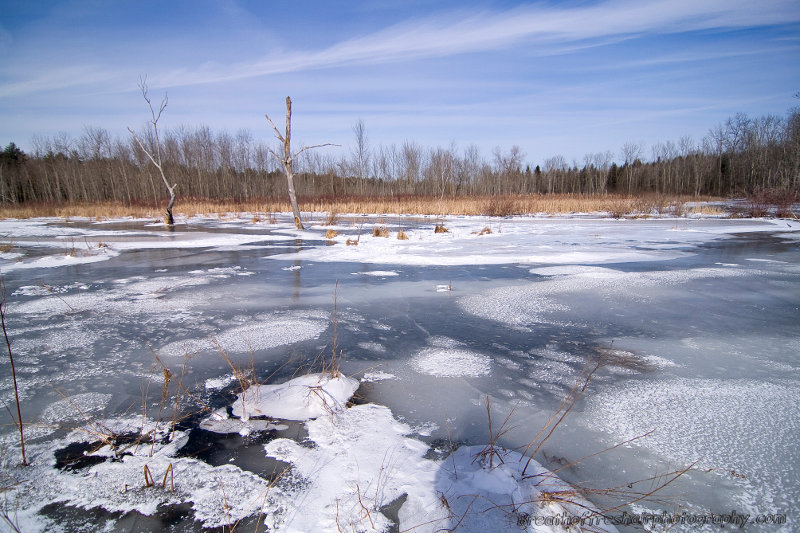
555,204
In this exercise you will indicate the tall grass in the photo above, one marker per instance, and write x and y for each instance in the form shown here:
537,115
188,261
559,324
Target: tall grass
556,204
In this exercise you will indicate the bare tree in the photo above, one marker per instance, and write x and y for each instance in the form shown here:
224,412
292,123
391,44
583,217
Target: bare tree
361,154
288,158
156,157
410,164
631,152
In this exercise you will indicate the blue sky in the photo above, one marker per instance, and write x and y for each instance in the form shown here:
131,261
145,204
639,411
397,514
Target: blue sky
565,78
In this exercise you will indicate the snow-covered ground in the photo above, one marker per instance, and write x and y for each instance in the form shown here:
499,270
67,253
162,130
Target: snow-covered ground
126,337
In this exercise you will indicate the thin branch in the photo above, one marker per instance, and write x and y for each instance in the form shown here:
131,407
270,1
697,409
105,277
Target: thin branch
155,117
566,406
676,475
156,163
277,132
303,149
577,461
13,370
276,154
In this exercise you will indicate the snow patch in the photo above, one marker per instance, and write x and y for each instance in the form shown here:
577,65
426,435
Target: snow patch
361,456
270,333
219,383
77,407
378,273
301,398
484,489
451,362
377,375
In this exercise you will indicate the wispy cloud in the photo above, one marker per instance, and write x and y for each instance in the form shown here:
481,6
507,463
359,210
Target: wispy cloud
547,30
541,29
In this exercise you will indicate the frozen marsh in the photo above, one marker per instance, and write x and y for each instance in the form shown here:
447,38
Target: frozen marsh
126,336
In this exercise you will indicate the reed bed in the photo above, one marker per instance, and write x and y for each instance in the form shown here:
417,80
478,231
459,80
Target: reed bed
615,205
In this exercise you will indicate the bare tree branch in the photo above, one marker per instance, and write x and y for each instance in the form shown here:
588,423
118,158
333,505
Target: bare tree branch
156,159
277,132
303,149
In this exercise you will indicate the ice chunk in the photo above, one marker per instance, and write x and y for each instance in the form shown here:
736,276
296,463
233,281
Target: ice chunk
301,398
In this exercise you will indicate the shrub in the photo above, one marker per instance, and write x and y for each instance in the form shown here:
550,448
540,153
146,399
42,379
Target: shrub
499,206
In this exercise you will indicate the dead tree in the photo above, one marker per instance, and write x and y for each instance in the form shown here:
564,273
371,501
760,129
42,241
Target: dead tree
288,157
156,157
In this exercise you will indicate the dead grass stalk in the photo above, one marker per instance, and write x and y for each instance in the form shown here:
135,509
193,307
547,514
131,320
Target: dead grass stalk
13,370
556,204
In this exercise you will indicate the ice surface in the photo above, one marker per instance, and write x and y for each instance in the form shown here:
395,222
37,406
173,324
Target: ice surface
721,424
80,245
530,304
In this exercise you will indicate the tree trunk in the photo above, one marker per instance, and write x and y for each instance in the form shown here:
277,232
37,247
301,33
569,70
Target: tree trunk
168,218
287,165
293,197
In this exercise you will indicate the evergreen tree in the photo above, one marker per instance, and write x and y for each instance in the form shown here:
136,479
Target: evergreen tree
12,155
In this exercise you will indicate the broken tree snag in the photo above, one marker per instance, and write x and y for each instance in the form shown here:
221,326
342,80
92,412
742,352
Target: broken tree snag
155,158
287,158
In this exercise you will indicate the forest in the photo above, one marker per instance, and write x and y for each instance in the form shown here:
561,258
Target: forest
741,156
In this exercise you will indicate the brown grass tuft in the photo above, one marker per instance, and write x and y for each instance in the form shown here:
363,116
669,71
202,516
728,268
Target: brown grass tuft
713,210
331,233
402,235
500,206
352,242
380,231
440,229
332,218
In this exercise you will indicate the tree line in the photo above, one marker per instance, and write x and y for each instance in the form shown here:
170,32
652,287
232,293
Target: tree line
740,156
